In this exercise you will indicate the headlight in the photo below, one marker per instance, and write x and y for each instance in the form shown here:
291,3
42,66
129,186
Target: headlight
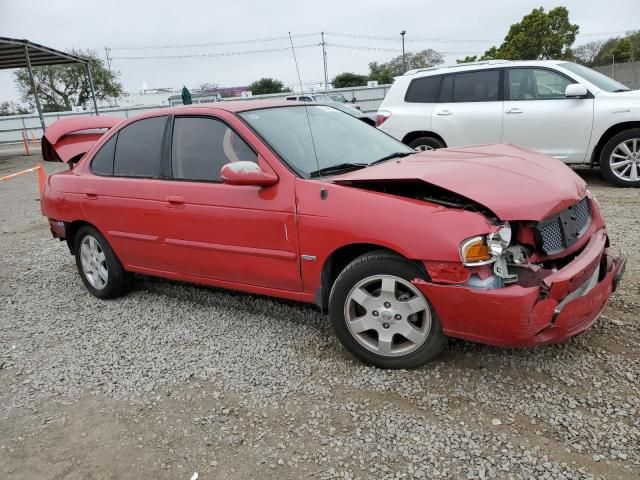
485,249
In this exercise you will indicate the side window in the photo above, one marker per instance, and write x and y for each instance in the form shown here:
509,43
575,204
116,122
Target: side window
201,146
139,148
536,84
446,91
306,99
423,90
102,163
480,86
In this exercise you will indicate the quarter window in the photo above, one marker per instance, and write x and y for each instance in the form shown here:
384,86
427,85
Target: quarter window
139,148
201,146
423,90
480,86
102,163
536,84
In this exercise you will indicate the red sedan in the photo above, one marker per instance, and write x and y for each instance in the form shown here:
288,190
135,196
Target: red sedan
490,243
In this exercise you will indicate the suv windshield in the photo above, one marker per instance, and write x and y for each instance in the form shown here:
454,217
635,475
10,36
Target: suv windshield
598,79
322,98
339,138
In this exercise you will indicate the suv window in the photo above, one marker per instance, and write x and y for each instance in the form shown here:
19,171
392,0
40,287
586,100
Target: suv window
423,90
102,163
480,86
202,145
536,84
139,148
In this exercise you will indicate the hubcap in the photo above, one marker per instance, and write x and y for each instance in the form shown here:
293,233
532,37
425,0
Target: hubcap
94,262
625,160
387,315
424,148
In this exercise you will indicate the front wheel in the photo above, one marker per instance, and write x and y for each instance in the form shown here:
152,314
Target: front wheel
426,143
620,159
380,316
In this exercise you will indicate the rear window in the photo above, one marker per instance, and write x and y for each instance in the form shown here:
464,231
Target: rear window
423,90
102,163
139,148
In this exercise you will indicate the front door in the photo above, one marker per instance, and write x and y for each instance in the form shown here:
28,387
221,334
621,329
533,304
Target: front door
469,108
240,234
537,114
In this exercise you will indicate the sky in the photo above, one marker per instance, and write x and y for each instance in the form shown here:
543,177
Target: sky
455,27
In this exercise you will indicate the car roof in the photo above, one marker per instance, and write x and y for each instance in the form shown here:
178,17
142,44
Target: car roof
482,65
233,106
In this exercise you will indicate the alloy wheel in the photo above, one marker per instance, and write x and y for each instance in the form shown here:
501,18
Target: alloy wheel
625,160
387,315
94,262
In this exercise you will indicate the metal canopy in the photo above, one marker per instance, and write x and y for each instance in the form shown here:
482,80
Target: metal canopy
15,53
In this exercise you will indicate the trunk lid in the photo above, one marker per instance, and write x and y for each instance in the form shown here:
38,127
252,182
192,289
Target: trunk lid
69,139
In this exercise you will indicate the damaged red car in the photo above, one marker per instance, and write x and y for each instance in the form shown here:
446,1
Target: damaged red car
490,243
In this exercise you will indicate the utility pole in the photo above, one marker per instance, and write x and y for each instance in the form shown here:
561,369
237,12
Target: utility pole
324,62
404,62
106,54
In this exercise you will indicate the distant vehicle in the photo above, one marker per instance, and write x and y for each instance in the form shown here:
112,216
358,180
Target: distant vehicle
493,244
326,100
562,109
338,97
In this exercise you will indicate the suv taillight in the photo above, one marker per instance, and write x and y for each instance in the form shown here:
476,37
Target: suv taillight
381,117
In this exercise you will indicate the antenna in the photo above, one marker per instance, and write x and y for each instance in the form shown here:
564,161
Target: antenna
323,191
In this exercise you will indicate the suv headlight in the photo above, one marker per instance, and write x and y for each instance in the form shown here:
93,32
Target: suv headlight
484,249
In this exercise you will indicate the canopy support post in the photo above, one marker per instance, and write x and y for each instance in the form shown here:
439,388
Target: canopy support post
93,92
33,86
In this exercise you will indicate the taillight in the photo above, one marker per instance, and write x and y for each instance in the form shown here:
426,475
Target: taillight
381,117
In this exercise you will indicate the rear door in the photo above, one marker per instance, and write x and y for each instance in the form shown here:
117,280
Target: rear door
469,108
537,115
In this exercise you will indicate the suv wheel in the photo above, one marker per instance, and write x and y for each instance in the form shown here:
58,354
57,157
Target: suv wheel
100,270
620,159
380,316
426,143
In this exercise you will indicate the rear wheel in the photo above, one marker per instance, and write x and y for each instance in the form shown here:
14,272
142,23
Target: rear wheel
620,159
100,270
426,143
380,316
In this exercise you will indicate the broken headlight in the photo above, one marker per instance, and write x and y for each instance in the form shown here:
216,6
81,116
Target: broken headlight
484,249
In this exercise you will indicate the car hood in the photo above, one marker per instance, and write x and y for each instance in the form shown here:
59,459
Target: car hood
512,182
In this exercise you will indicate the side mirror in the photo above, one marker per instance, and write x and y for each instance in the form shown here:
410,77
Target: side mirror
246,173
576,90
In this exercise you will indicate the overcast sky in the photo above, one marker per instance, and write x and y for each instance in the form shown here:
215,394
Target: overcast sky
459,26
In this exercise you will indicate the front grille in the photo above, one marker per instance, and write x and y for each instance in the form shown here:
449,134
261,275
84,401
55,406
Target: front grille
557,233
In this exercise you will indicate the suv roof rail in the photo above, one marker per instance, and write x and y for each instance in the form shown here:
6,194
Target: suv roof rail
430,69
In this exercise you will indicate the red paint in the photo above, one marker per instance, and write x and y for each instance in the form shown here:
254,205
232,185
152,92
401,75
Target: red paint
62,142
256,231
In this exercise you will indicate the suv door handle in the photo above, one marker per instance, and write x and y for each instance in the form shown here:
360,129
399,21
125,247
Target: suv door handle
513,111
90,193
444,113
175,201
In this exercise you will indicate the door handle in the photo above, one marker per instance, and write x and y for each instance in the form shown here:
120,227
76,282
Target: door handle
513,111
444,113
90,193
175,201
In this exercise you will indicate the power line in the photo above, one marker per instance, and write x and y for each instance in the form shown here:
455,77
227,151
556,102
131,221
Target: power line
408,39
216,44
395,50
208,55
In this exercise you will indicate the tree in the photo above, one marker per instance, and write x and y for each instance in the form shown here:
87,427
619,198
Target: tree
538,36
12,108
267,85
348,79
384,72
468,59
625,49
586,54
62,87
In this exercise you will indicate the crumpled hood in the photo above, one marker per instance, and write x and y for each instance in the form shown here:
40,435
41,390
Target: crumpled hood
512,182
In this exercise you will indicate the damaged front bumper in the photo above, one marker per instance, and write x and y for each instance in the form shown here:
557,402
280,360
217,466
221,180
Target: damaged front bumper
564,304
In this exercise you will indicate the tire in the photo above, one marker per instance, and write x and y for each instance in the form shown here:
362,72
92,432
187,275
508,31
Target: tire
351,320
426,143
625,174
99,268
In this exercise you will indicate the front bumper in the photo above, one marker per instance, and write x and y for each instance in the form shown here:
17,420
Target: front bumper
564,304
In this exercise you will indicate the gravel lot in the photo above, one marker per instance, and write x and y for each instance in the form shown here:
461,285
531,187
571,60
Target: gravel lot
175,379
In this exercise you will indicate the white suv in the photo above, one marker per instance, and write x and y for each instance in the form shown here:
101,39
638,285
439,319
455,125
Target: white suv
559,108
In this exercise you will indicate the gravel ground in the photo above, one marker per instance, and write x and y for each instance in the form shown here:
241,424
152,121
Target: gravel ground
175,379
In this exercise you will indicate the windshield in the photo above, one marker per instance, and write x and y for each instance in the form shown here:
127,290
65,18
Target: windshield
322,98
338,97
598,79
339,138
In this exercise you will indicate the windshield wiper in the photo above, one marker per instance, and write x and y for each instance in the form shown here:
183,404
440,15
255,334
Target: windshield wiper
392,156
337,168
622,90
